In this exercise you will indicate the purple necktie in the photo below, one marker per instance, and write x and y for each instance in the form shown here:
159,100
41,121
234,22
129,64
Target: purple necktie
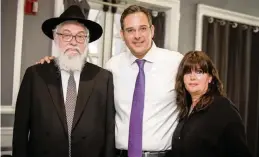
136,116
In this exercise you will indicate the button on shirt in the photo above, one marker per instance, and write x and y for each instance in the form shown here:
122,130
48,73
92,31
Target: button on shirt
159,118
64,77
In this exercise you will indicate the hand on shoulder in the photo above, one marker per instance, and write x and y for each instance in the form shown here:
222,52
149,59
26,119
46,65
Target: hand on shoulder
45,59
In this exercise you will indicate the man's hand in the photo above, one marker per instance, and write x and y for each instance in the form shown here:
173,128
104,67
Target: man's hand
45,59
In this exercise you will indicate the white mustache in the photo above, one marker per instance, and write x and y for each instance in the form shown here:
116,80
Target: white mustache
76,48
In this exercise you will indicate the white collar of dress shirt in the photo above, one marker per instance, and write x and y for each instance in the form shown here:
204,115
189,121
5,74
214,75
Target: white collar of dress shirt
75,72
149,57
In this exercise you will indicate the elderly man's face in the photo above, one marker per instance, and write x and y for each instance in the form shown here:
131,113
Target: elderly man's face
71,38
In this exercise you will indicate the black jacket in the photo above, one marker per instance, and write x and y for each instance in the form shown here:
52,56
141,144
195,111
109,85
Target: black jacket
40,128
216,131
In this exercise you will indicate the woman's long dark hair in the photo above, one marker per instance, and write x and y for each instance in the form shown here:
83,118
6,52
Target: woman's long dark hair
194,60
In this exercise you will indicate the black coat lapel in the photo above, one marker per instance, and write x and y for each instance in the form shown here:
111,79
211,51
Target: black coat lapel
53,80
85,89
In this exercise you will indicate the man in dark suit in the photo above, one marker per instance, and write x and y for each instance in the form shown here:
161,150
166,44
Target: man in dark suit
66,108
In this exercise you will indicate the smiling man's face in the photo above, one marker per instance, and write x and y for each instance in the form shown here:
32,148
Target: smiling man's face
137,33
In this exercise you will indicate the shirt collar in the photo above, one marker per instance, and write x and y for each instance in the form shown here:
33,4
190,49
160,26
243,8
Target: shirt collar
149,57
75,72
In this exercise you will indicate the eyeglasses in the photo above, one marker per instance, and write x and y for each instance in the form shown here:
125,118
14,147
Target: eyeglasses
67,37
142,29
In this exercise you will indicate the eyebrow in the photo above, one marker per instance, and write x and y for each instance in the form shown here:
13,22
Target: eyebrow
83,32
68,31
138,27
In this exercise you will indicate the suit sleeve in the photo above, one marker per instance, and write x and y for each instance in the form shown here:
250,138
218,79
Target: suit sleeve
236,140
22,116
110,120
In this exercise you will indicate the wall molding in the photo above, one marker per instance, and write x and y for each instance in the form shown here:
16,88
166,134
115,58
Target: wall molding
205,10
10,108
6,136
6,130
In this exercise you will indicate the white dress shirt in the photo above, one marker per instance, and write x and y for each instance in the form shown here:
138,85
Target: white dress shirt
64,77
159,118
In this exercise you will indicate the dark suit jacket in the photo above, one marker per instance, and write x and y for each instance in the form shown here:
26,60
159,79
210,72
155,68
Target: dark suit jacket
40,127
217,131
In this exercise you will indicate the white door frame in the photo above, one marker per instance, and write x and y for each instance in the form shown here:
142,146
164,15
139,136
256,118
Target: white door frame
6,132
9,108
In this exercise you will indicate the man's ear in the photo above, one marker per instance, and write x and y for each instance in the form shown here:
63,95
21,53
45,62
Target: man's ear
152,30
55,38
122,34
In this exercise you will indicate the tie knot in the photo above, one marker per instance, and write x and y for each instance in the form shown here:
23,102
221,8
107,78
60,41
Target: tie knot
140,63
71,73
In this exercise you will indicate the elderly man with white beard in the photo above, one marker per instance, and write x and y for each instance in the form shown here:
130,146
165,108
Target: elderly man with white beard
72,53
66,108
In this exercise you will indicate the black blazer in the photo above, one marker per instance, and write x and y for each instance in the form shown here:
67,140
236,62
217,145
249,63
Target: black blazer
40,127
217,131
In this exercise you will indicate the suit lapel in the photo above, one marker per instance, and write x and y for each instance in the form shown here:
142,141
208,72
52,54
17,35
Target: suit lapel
54,84
86,85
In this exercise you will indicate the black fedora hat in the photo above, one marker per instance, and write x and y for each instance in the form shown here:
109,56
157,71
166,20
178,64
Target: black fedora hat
72,13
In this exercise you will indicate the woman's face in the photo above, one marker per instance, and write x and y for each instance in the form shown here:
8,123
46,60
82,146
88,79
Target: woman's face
196,82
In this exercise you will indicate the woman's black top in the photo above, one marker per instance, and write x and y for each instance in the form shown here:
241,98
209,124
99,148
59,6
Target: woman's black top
216,131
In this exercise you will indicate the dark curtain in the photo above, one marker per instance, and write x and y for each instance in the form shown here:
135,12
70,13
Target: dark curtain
234,48
85,7
107,8
68,3
159,34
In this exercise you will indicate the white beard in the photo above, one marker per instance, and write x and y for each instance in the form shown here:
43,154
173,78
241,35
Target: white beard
71,63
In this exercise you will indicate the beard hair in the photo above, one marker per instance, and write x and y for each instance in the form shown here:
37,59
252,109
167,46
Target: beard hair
71,63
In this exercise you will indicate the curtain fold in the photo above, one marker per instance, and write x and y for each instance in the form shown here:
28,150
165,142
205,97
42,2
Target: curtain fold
234,49
159,24
85,7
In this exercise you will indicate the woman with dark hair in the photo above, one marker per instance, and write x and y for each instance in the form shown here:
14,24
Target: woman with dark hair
209,123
